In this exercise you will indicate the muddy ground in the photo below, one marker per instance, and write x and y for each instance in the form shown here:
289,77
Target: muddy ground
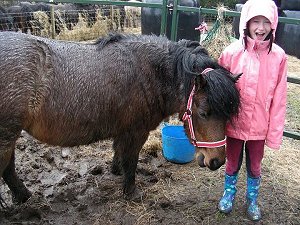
75,186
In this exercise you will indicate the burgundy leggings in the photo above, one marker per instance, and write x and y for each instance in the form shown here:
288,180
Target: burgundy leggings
254,154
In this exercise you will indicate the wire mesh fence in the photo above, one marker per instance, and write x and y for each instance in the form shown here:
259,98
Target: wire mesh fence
68,21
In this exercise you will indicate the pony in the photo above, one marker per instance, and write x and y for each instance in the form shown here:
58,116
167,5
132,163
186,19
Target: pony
120,87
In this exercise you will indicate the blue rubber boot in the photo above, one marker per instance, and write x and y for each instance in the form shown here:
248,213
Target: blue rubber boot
226,202
253,210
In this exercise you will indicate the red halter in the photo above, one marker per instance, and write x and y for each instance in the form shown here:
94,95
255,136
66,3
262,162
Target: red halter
188,116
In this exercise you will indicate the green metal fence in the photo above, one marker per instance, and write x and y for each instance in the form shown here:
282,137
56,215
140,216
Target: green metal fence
176,9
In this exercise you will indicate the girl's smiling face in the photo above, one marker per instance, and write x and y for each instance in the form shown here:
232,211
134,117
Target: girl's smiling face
259,28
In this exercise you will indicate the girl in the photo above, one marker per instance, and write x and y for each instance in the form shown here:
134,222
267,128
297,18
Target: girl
263,90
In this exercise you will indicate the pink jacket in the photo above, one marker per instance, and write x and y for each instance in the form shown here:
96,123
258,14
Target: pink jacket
263,85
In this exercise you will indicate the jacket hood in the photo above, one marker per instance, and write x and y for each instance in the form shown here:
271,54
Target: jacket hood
252,8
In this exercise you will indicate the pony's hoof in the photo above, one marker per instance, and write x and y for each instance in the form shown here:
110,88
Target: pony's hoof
22,196
136,195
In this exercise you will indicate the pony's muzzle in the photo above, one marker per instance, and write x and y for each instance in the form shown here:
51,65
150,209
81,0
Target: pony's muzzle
212,163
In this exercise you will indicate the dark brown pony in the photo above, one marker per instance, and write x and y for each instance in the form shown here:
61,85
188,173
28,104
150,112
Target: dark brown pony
121,87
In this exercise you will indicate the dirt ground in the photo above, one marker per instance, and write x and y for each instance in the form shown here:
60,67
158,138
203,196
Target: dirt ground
75,186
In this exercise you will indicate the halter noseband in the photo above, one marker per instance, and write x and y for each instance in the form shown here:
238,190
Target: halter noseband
188,116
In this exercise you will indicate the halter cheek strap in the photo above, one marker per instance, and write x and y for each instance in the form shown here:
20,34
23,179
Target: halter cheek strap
188,116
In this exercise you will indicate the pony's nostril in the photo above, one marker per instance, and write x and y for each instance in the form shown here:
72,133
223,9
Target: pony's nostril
214,164
201,160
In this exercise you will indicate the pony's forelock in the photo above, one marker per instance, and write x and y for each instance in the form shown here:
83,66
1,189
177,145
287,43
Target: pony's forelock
222,95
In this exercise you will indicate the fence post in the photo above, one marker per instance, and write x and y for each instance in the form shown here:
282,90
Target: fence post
164,12
174,21
52,19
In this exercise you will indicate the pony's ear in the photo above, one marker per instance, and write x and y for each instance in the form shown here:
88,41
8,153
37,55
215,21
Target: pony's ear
200,82
236,77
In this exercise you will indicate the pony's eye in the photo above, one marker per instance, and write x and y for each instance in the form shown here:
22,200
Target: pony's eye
203,115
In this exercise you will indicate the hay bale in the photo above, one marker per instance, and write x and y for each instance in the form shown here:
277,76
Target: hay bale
83,32
153,143
41,24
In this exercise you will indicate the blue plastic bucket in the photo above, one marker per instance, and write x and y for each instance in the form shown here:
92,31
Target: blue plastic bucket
176,145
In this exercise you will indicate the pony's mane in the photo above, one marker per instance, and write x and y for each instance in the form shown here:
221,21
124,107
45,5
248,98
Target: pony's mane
160,41
219,84
189,60
111,38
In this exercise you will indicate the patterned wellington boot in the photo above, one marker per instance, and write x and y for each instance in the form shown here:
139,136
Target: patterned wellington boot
226,202
253,210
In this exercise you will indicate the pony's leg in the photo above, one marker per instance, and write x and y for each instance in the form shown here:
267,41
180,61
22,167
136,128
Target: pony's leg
10,131
127,147
5,155
116,167
20,192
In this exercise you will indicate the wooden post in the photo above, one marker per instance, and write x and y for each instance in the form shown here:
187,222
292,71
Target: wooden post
52,19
